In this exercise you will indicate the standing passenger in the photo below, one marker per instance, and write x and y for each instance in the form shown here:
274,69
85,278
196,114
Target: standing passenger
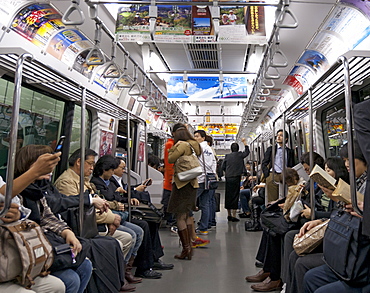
233,166
183,195
277,169
208,163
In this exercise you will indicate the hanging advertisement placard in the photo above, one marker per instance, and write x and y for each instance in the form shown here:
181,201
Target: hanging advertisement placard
314,60
203,88
106,143
31,18
67,44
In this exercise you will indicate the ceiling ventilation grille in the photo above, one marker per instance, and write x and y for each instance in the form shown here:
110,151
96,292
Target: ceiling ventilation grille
204,56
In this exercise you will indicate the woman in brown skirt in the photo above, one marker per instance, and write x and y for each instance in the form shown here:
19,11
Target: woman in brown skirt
183,195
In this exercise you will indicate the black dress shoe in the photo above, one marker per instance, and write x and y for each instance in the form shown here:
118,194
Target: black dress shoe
149,274
229,218
160,265
244,215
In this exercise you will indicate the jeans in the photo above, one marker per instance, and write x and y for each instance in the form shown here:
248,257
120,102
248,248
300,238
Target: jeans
212,208
137,235
245,195
204,198
323,280
76,280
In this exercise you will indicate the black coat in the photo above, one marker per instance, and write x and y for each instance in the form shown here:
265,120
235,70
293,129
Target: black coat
233,164
267,160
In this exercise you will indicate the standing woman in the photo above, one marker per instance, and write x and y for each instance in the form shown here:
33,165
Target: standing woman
183,195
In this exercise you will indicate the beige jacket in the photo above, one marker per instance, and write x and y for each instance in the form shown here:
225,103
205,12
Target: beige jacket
183,149
69,184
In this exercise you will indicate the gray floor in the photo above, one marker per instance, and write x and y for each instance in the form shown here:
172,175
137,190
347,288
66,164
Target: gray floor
218,268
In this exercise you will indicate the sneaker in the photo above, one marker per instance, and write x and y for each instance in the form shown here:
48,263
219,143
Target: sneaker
174,229
212,227
201,232
199,242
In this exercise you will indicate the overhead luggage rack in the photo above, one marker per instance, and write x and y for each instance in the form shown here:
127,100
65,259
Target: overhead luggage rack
330,85
35,72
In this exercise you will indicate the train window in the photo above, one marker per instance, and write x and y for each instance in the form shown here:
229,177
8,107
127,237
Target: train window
39,119
334,128
76,129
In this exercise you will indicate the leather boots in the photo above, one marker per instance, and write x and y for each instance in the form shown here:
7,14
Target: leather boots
186,245
128,274
190,235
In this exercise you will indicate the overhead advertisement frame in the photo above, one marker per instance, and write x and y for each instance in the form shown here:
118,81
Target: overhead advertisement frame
192,24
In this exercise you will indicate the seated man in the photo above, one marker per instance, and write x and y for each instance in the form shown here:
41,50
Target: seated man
69,184
150,255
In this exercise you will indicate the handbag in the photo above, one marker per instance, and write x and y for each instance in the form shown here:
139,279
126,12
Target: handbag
211,181
72,218
272,219
188,167
148,212
25,252
346,250
295,210
310,240
63,257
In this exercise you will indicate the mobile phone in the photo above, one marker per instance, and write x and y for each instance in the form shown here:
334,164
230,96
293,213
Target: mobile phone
147,182
59,146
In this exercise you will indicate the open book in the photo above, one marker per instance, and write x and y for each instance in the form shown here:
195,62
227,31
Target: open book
321,177
343,192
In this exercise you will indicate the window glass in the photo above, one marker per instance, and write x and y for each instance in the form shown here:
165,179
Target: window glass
76,129
335,129
39,119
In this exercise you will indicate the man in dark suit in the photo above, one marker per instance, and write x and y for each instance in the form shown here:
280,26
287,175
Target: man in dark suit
277,169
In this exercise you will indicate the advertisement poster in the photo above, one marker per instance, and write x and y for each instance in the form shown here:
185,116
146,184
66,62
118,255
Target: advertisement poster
330,45
48,29
8,9
201,20
203,88
349,23
220,131
28,21
315,61
80,64
363,6
106,143
141,152
173,23
187,24
62,41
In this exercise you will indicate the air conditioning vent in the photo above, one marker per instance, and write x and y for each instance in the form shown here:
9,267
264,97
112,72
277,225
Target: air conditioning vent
204,56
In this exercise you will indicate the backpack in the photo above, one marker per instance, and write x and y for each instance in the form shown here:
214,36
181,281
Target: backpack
25,253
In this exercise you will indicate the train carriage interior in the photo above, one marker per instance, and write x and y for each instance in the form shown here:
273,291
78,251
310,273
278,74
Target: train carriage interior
116,76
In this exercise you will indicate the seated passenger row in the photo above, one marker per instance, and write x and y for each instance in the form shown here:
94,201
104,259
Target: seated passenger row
45,204
321,270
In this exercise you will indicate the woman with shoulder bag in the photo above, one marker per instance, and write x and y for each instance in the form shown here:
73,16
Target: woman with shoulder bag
183,194
77,277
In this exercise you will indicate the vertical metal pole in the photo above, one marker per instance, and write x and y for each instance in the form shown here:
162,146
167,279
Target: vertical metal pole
273,152
349,122
128,165
299,142
310,117
146,152
82,157
284,154
14,132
